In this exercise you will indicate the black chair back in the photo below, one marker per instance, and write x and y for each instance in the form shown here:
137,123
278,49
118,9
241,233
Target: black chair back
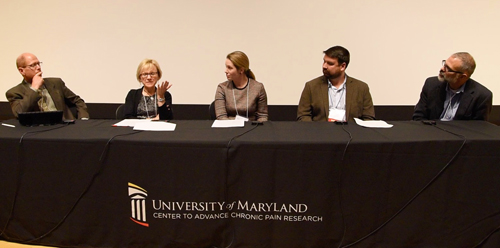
119,115
211,111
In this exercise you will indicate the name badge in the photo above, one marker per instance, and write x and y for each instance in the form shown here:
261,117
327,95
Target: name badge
335,115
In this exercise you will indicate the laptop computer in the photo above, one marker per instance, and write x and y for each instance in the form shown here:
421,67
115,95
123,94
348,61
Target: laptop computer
40,118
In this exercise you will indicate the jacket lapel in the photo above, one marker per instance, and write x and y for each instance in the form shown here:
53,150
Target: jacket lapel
348,96
466,99
441,96
324,97
27,88
26,85
53,94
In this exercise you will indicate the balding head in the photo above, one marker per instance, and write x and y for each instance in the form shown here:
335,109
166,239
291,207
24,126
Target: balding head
21,60
28,65
468,64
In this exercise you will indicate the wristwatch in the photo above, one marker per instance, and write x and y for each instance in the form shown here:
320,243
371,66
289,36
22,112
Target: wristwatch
161,99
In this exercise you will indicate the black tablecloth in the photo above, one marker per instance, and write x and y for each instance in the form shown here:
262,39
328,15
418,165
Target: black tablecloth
281,184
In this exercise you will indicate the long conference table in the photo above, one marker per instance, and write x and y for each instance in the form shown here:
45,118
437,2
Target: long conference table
280,184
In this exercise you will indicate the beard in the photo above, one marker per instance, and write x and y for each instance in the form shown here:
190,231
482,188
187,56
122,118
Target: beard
442,77
331,76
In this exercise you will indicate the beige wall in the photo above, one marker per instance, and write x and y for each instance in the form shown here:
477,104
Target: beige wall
96,45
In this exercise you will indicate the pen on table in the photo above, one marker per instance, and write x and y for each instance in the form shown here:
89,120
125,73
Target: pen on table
7,125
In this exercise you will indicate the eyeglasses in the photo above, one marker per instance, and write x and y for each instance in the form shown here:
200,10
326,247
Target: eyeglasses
34,65
448,69
152,74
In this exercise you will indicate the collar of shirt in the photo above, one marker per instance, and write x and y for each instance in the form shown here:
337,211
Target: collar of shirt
336,98
452,91
342,86
451,103
35,90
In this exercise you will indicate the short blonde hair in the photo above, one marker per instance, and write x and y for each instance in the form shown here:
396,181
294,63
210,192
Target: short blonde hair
147,63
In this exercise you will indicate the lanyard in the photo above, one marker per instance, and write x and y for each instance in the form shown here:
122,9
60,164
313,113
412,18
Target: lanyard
234,98
340,99
146,105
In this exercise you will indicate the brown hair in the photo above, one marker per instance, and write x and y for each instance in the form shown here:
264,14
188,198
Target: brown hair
339,53
240,60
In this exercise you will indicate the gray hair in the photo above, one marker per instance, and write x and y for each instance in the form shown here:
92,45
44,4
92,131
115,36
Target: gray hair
468,64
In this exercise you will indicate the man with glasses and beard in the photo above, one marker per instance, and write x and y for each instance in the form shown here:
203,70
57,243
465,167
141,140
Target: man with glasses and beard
35,93
453,95
335,96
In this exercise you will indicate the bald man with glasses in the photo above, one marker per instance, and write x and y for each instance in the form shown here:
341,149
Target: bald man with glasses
35,93
453,95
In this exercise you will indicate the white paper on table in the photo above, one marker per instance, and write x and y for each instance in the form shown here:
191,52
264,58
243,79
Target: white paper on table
228,123
155,126
130,122
373,123
239,117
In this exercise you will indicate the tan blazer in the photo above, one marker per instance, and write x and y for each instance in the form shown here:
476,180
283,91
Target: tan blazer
23,99
313,104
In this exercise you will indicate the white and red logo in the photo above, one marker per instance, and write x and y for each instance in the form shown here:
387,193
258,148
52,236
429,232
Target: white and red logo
138,204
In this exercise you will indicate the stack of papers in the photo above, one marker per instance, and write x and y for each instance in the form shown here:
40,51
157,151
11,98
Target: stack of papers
146,125
373,123
228,123
129,122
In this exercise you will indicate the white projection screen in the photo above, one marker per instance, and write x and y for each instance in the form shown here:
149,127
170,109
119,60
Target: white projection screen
95,46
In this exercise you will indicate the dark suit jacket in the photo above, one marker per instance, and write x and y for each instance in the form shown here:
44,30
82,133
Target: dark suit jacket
475,103
313,104
23,99
134,97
